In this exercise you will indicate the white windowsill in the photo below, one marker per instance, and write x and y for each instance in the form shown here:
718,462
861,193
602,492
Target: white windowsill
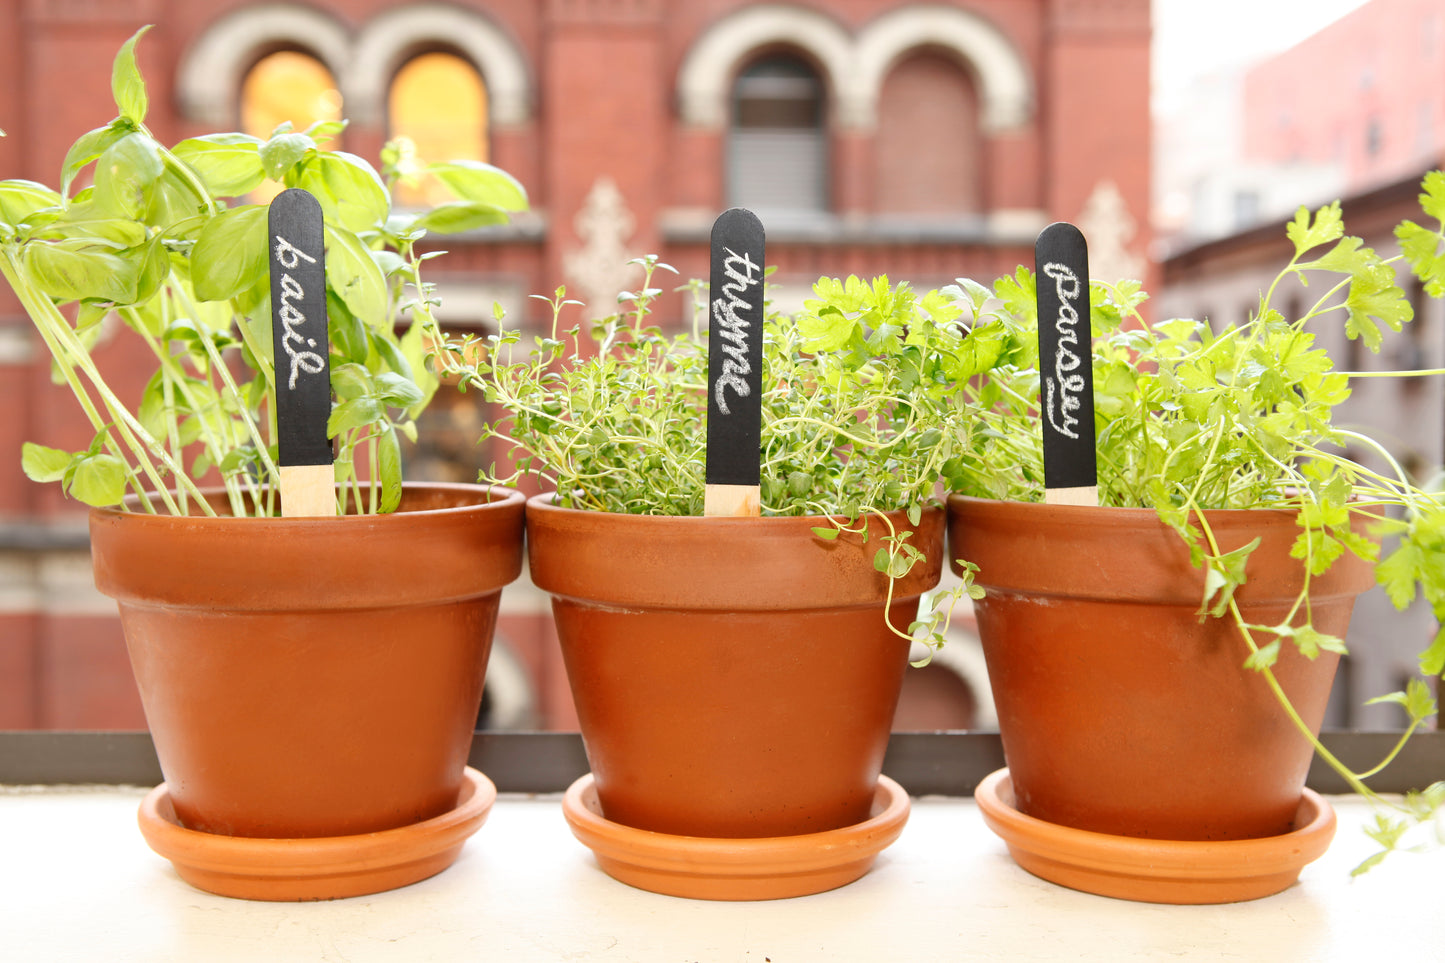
79,883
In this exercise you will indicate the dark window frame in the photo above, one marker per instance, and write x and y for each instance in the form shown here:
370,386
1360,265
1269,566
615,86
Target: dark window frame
924,763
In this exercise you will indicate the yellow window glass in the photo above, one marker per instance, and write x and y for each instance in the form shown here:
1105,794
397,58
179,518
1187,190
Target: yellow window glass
438,110
287,85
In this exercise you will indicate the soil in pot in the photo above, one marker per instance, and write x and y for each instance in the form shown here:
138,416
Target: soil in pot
1121,711
312,677
733,677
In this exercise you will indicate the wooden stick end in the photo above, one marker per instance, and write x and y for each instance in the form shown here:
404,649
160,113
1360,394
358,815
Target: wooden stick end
1088,496
732,500
307,491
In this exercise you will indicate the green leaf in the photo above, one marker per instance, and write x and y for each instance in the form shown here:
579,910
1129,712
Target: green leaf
353,274
347,333
1223,575
230,256
397,390
482,183
388,465
155,267
1307,233
348,189
68,272
1374,296
98,480
415,347
1432,660
1264,657
228,164
20,198
454,217
1420,247
88,147
390,353
828,330
826,534
353,414
1432,197
282,151
1398,572
1310,641
126,84
44,464
125,175
1416,700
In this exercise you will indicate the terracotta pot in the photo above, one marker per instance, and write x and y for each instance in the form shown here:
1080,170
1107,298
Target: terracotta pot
733,677
309,677
1121,711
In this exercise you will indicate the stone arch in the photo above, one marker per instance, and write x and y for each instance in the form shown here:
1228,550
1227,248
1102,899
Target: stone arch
1003,77
390,37
704,82
210,74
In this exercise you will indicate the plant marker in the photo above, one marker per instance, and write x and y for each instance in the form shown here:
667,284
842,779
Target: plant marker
296,239
1066,384
734,366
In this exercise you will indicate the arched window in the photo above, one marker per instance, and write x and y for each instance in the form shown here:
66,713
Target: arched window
438,110
927,157
286,85
777,141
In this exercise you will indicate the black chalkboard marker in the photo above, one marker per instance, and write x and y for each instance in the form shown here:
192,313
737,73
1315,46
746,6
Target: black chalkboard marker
735,362
296,239
1066,372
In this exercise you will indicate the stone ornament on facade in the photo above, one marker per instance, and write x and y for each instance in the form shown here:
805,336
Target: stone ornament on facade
599,268
1109,227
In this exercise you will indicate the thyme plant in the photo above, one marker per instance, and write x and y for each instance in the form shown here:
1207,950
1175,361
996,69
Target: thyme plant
859,409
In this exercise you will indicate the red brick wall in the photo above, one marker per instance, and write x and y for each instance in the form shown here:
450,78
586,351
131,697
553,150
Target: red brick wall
605,76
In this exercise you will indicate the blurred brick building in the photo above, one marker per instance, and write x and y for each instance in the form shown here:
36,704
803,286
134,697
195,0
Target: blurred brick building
924,140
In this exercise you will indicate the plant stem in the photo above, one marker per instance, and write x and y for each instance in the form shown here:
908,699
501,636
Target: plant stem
66,348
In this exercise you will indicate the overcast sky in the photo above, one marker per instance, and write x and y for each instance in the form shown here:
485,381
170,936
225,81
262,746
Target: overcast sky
1196,37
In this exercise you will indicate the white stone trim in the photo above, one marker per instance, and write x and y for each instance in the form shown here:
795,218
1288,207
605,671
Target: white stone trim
1018,222
388,38
17,345
855,67
704,82
208,81
1005,86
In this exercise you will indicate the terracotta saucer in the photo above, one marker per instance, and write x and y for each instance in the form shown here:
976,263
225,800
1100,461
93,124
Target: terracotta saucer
699,867
321,868
1157,870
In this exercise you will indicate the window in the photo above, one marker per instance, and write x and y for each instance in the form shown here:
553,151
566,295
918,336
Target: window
1246,208
1374,137
286,85
927,146
438,111
777,161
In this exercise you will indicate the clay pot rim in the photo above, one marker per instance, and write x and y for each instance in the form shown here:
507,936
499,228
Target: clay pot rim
1161,860
256,564
764,564
1104,515
508,496
1102,541
546,503
253,862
